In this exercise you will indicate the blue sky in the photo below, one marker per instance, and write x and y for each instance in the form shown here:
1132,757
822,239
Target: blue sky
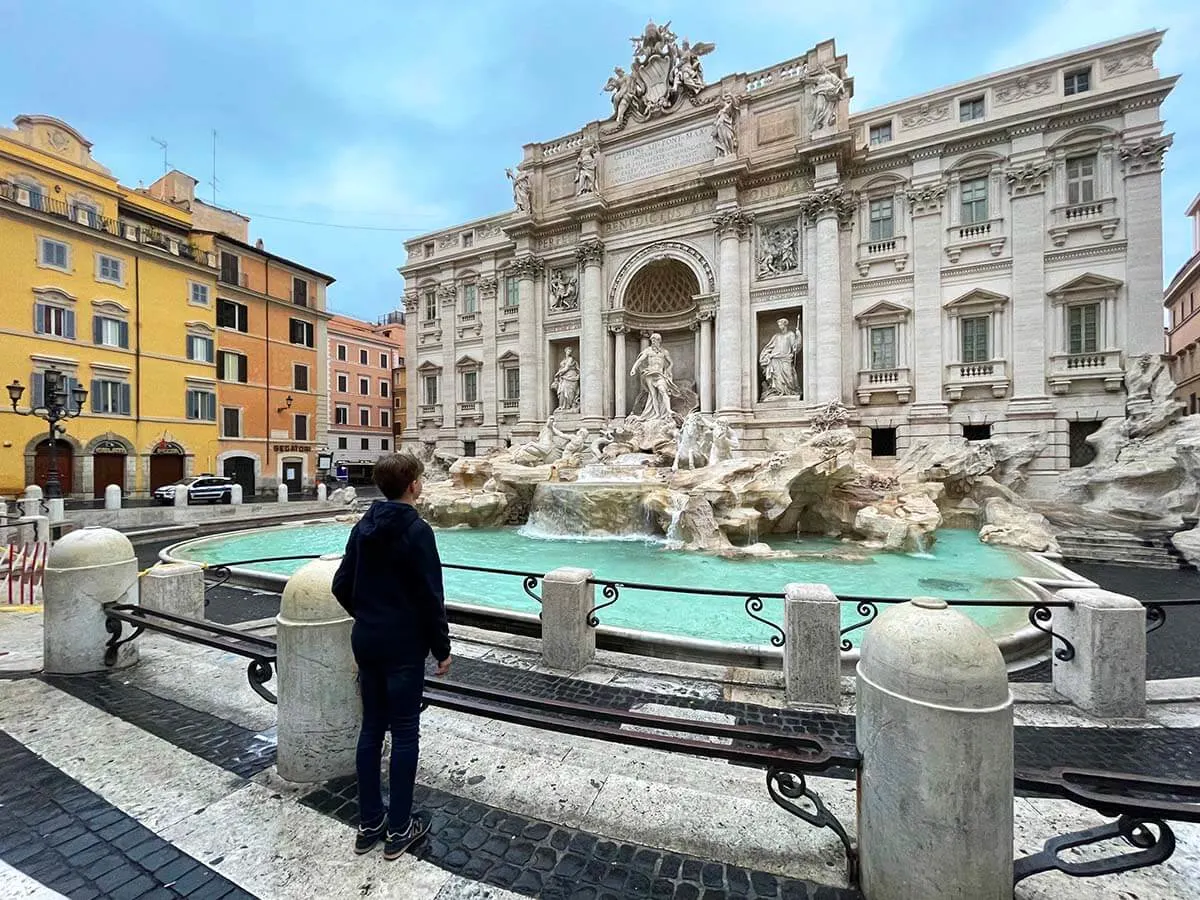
403,115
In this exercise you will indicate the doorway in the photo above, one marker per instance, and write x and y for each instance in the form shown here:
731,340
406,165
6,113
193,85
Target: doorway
165,468
292,476
107,468
240,470
66,465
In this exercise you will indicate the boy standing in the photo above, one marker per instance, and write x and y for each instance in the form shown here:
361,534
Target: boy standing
390,581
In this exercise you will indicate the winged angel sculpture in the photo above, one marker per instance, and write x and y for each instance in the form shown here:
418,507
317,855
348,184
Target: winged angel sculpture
661,73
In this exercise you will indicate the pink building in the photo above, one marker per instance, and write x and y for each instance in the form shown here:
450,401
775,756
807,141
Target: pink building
362,358
1183,329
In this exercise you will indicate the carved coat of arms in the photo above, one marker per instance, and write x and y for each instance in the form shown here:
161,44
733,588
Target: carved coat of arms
661,74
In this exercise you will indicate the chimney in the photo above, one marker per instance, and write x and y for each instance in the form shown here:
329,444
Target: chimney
258,244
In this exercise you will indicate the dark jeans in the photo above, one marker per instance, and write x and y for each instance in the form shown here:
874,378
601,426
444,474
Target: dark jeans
391,699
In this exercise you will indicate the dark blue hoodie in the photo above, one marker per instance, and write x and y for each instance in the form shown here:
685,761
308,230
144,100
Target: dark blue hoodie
390,581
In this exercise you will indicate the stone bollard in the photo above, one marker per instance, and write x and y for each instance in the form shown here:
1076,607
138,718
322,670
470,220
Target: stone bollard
235,495
322,492
85,570
175,588
180,497
31,503
281,493
112,497
568,641
935,730
1107,675
56,510
812,655
319,707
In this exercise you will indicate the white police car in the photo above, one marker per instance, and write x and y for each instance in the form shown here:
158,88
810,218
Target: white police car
200,489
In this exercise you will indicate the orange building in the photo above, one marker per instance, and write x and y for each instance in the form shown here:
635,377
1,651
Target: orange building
271,361
1183,329
362,360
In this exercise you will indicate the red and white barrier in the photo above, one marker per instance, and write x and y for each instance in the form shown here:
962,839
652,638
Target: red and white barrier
24,566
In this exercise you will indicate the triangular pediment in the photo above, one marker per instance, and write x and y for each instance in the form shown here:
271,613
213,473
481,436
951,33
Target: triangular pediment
468,362
509,356
1088,283
429,366
976,296
883,308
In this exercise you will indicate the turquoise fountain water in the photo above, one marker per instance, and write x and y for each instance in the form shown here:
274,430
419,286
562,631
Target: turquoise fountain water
959,566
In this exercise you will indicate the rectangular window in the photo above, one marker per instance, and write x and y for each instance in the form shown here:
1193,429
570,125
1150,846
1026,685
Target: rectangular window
37,384
199,348
108,332
883,225
341,352
431,390
364,416
341,415
970,110
468,448
881,133
1077,82
364,386
52,253
341,443
977,432
199,294
974,200
975,339
299,291
428,249
300,332
383,360
85,214
37,200
468,239
54,320
365,444
883,441
202,405
384,387
110,397
299,377
363,358
232,367
512,293
385,444
470,387
231,422
230,268
1083,328
1081,180
109,268
470,304
343,382
883,347
232,315
385,419
301,427
430,306
512,383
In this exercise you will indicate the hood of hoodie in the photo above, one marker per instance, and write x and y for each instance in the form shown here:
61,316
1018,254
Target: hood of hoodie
386,520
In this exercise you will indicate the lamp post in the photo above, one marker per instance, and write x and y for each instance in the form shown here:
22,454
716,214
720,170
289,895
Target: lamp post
56,407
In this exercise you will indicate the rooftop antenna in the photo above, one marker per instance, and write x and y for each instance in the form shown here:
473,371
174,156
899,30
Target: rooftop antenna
213,183
163,145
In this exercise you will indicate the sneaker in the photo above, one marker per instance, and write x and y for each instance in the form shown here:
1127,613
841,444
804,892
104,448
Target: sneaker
399,841
368,837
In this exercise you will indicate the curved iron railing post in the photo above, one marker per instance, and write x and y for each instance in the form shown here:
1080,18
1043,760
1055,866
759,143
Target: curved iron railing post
258,673
115,627
786,786
754,604
869,610
610,590
1156,617
1041,613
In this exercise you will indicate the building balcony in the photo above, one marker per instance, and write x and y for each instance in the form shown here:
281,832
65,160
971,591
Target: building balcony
470,411
992,375
470,323
507,316
510,404
1100,215
429,414
893,250
989,233
872,382
1067,369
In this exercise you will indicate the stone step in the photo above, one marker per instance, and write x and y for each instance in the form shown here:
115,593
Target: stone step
1149,560
1117,548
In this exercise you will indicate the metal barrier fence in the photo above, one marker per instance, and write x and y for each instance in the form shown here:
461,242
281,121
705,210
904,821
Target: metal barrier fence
23,569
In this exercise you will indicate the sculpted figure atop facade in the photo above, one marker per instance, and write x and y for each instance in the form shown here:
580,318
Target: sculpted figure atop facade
724,132
778,363
827,90
522,189
661,73
585,169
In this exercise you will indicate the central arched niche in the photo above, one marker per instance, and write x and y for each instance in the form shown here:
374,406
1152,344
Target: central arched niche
661,298
661,291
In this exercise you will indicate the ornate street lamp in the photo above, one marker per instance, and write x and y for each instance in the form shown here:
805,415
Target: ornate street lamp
56,407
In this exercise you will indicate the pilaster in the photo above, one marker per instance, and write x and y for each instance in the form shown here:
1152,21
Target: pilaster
1027,208
1142,164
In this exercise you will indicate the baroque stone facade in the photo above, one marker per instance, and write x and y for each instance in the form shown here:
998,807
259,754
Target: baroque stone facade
979,260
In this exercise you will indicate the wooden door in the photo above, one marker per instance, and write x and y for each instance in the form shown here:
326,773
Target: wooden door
66,465
108,468
165,468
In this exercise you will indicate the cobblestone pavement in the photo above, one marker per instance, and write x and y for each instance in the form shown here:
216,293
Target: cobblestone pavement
74,842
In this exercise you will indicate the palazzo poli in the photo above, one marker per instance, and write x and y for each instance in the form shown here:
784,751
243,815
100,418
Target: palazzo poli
981,260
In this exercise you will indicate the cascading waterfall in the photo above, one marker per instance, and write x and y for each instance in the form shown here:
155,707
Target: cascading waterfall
676,504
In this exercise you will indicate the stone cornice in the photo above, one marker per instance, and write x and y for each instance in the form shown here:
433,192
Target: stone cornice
888,281
1004,265
1114,249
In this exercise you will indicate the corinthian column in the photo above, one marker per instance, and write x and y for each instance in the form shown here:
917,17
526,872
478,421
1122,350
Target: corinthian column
828,207
591,334
526,268
731,225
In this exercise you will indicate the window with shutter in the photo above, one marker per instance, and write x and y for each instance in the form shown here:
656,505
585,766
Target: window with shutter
37,390
364,416
1083,331
883,347
975,339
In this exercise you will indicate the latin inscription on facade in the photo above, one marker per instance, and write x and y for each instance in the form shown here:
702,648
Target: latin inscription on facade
659,217
663,155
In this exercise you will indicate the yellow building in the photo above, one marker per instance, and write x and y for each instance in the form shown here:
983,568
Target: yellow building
105,284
